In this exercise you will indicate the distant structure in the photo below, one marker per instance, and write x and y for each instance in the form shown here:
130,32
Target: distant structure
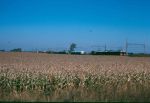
100,50
110,52
78,52
107,52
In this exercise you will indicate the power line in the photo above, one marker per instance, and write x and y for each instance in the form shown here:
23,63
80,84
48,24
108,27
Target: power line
135,44
101,46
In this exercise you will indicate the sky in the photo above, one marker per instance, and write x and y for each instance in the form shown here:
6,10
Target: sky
55,24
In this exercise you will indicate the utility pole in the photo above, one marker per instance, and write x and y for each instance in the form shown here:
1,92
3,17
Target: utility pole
144,48
105,47
126,47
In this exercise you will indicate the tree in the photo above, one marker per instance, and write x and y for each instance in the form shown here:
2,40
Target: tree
72,47
17,50
2,50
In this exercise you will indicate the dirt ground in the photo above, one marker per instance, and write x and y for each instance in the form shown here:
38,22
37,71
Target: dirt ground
74,64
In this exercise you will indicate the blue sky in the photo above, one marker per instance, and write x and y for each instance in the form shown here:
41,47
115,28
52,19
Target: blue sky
55,24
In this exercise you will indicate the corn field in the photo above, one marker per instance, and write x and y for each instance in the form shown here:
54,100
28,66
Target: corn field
73,78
